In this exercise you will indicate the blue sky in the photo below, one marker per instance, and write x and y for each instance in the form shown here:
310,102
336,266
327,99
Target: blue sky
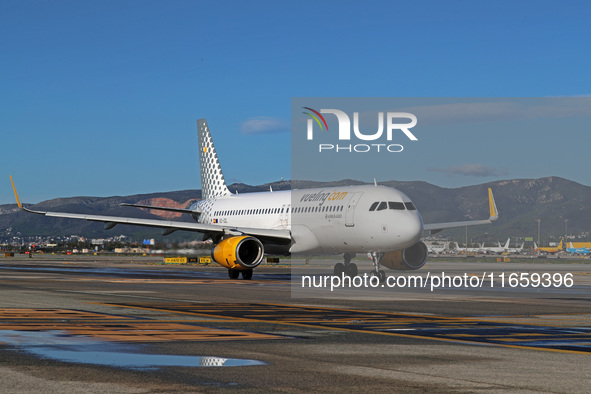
100,98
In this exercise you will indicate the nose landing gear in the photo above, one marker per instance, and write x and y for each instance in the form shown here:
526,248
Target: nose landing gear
376,258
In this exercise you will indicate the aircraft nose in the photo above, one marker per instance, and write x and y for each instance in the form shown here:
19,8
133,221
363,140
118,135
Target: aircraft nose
412,228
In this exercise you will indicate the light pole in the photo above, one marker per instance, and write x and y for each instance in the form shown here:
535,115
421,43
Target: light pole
539,220
466,241
565,229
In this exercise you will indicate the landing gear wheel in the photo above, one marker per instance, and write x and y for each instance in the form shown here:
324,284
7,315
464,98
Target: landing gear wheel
233,273
351,270
376,257
247,274
339,269
381,275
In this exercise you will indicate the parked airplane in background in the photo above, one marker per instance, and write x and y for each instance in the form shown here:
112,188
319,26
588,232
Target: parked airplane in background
549,249
573,250
497,249
377,220
438,249
514,250
468,249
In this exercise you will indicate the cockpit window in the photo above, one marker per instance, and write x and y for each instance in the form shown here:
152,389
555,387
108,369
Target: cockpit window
410,206
373,206
396,205
382,206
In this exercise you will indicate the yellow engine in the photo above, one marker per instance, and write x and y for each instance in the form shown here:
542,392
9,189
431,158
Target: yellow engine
411,258
239,252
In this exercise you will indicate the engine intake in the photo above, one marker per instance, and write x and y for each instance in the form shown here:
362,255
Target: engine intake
239,252
411,258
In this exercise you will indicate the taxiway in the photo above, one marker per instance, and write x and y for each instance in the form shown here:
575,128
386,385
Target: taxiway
127,324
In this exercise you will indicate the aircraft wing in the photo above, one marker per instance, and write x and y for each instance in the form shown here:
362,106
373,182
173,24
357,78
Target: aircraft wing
494,215
180,210
276,236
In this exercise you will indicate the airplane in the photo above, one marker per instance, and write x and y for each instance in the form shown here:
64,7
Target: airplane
573,250
497,249
377,220
468,249
549,249
438,249
514,250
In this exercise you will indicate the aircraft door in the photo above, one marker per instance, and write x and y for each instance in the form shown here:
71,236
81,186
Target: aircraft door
284,218
350,210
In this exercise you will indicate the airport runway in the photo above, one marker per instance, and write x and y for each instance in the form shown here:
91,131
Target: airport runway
123,324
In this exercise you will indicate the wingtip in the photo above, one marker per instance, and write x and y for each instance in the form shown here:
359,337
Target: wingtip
15,193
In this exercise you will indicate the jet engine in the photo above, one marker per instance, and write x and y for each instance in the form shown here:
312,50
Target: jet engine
239,252
411,258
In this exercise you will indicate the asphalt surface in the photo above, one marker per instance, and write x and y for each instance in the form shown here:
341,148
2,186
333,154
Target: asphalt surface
123,324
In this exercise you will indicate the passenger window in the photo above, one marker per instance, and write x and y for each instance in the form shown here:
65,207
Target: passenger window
382,206
373,206
396,205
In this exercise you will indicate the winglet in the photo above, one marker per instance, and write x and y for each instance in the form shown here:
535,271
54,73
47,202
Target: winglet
494,213
18,201
16,194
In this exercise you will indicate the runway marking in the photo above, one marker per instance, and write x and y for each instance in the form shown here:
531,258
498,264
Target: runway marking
50,313
450,329
205,281
117,328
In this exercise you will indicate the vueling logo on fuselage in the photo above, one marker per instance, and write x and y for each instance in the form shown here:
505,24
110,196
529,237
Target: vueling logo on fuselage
344,132
322,197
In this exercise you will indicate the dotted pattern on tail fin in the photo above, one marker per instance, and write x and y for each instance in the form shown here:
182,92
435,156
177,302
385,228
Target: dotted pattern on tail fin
212,179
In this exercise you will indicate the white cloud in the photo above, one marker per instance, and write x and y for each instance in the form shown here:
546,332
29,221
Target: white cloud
264,125
478,170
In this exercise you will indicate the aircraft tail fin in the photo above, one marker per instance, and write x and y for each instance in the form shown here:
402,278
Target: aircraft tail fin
212,179
507,243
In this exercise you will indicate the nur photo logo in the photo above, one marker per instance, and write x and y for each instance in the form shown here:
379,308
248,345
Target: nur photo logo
390,126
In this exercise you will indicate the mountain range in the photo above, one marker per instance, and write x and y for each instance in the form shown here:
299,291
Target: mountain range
521,202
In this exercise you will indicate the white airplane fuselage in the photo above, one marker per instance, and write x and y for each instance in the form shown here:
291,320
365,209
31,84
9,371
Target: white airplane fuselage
332,220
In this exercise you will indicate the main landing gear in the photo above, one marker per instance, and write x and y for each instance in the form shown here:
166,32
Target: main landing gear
348,268
234,273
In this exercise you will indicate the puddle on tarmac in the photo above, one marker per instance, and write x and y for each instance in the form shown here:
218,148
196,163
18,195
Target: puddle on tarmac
61,346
